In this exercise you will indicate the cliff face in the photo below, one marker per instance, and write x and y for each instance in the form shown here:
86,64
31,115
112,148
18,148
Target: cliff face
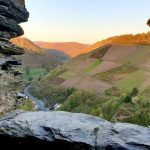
12,12
70,131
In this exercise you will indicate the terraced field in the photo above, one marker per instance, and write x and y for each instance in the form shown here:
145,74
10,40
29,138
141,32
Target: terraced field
140,57
116,74
86,83
134,79
121,65
79,63
119,52
105,66
92,67
68,74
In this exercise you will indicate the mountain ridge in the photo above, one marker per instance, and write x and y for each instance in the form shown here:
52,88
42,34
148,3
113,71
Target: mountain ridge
141,38
71,48
35,56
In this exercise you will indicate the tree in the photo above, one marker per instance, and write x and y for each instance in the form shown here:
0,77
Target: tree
127,98
134,92
148,22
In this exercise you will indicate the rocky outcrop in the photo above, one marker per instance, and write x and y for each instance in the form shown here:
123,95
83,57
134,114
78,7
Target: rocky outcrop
12,12
71,131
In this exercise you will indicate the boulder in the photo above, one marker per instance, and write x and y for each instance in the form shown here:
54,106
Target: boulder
71,131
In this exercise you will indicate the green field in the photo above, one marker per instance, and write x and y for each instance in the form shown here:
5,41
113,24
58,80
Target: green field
91,67
55,73
134,79
32,73
109,75
67,75
147,91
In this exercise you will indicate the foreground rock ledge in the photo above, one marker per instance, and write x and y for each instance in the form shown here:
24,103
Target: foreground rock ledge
71,131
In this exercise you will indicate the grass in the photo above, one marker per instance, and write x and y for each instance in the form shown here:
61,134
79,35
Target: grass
67,75
55,73
27,105
140,56
134,79
147,91
37,72
33,73
91,67
110,74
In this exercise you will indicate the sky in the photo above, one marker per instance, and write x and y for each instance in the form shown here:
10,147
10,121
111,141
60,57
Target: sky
84,21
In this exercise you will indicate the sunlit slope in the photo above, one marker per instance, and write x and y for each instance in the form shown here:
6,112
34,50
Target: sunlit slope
36,57
70,48
27,44
120,65
129,39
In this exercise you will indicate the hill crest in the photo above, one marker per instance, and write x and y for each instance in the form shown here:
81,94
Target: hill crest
128,39
71,48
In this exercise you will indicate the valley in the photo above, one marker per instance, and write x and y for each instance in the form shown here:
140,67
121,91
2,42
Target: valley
105,78
120,65
70,95
36,60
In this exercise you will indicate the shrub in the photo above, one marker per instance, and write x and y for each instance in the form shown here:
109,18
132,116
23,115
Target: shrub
134,92
27,105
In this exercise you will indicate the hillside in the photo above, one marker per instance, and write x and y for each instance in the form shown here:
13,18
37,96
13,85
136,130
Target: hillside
112,81
121,61
36,57
143,38
71,48
75,49
120,65
27,44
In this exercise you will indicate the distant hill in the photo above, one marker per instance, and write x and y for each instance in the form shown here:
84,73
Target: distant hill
27,44
36,57
121,61
71,48
75,49
143,38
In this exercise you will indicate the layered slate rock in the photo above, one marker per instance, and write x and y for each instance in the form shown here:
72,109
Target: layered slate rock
8,48
73,131
12,13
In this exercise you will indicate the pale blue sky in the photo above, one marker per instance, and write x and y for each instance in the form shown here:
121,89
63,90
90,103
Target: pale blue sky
86,21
